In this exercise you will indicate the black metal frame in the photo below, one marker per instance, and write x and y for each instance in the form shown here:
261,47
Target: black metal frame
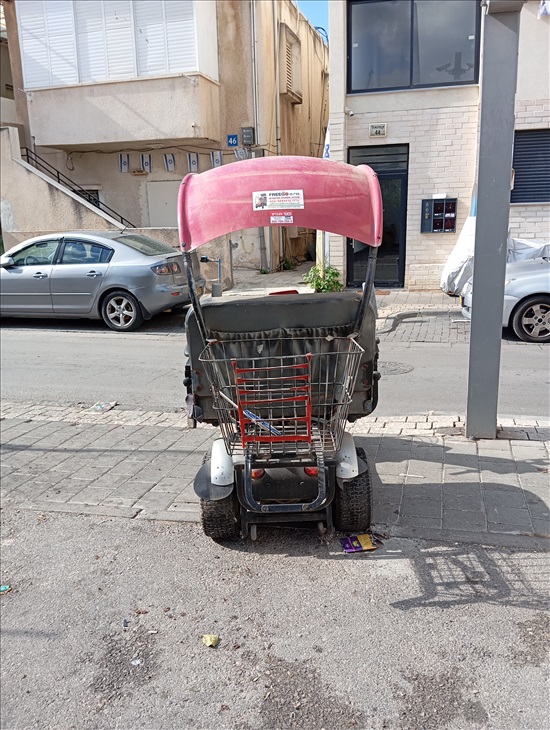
292,512
410,86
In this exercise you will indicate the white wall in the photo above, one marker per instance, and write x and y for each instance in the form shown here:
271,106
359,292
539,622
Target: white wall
145,109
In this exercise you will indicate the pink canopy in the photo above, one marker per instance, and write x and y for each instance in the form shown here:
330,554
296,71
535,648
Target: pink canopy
286,191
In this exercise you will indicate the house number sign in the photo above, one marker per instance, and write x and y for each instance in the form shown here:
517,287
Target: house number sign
377,130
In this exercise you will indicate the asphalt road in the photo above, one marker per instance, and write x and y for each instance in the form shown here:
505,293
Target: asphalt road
103,626
42,364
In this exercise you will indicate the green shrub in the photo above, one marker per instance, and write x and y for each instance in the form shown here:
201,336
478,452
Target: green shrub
326,281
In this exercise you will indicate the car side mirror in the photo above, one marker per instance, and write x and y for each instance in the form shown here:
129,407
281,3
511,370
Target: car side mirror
6,261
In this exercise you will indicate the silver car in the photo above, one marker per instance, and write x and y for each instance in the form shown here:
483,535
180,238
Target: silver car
123,278
526,299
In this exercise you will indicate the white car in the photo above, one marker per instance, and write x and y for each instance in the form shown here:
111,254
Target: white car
526,299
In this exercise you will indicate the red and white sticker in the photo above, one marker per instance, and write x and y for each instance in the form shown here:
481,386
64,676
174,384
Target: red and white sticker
286,218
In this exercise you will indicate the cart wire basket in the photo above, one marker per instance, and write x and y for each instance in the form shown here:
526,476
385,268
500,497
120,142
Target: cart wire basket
286,396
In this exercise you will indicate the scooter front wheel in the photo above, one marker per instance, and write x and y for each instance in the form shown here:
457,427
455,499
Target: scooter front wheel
220,518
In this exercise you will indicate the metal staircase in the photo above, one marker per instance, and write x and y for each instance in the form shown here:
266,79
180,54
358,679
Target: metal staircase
33,159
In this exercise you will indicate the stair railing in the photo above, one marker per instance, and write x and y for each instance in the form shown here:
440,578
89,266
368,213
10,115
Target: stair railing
33,159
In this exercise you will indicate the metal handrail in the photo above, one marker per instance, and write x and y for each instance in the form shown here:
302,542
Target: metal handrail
33,159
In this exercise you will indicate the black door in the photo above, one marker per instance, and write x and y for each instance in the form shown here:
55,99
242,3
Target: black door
390,163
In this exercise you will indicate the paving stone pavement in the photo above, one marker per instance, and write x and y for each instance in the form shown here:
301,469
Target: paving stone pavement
428,479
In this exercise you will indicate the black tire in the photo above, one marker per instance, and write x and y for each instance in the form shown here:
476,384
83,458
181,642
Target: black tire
121,311
220,518
531,319
353,502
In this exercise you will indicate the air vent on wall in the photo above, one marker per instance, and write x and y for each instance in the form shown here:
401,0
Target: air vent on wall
290,60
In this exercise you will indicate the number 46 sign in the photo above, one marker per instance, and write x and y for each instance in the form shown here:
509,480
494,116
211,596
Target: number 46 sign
232,140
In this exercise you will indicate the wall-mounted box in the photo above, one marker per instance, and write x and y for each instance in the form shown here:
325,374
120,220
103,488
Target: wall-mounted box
438,215
248,136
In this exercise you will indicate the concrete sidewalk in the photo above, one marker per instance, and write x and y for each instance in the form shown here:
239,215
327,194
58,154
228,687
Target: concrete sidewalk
429,480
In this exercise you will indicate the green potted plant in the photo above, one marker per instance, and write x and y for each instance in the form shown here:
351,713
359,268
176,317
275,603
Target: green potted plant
324,280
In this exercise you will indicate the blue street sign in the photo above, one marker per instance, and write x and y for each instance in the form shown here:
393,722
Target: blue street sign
232,140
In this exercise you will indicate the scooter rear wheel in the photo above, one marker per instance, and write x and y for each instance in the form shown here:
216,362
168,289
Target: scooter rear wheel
220,518
353,502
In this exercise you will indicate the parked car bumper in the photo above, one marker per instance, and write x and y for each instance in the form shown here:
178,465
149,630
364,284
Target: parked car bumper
466,302
164,296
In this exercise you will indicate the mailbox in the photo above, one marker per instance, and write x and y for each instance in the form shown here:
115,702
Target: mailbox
438,215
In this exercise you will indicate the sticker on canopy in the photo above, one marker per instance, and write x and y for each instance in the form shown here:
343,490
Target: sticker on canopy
282,218
277,199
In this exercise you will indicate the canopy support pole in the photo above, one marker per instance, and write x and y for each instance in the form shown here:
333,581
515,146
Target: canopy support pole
193,294
367,289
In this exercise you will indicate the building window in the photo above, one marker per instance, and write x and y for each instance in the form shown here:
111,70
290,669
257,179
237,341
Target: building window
67,42
531,166
404,44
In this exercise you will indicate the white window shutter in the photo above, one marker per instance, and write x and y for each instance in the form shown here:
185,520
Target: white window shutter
181,36
70,41
150,38
61,41
90,40
34,48
119,35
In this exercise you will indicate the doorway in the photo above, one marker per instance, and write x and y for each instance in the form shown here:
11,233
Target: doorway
390,162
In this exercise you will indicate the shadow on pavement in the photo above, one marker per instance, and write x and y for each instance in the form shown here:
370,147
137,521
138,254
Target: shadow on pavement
457,575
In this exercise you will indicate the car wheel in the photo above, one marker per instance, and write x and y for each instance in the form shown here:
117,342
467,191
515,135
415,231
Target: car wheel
120,311
531,319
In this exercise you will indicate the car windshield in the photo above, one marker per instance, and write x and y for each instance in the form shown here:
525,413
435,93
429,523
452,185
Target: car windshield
145,245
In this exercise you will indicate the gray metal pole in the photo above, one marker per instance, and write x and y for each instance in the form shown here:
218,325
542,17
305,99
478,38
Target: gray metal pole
496,139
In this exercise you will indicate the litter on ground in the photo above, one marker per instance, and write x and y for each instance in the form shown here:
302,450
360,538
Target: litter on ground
361,543
210,639
101,407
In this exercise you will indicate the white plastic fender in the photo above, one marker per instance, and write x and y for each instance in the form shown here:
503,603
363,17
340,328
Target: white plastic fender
347,465
221,465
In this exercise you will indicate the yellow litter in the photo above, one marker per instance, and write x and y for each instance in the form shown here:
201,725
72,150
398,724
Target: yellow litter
210,639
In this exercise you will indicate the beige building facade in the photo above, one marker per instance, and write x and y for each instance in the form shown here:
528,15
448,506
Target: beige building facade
414,116
126,98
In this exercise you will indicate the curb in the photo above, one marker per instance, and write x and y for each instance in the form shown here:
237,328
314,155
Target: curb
539,543
431,424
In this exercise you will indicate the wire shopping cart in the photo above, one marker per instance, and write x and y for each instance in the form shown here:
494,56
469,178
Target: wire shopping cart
272,402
